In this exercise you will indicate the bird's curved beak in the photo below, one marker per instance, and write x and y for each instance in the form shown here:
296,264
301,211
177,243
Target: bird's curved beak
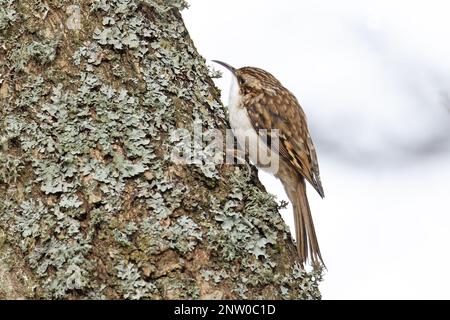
226,65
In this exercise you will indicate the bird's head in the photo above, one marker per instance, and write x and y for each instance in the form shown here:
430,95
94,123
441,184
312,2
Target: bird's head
251,78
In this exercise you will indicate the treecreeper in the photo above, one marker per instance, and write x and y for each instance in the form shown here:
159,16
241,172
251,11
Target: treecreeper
270,126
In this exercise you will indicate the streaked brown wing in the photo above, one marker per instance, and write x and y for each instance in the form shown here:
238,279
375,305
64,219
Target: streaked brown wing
282,111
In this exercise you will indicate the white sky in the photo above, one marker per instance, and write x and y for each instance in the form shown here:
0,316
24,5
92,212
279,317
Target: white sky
372,78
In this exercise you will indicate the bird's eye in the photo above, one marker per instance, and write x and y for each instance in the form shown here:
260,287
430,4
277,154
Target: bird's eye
241,81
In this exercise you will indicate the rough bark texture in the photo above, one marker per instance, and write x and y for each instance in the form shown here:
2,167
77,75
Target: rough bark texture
90,204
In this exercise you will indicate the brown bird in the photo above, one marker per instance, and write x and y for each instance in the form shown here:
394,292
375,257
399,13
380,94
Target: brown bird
260,105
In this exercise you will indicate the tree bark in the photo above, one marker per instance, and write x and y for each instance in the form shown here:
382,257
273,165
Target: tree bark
91,205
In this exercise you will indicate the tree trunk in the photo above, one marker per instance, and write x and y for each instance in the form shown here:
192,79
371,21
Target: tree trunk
91,204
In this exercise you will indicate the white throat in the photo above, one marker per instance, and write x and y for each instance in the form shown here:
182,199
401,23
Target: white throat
239,119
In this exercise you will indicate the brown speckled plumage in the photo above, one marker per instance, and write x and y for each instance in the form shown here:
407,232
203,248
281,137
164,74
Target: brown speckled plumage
271,106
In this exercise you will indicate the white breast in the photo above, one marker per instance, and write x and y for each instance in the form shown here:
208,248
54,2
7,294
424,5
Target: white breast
246,135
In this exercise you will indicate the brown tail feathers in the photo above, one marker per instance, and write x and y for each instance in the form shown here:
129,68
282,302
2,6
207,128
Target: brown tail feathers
307,244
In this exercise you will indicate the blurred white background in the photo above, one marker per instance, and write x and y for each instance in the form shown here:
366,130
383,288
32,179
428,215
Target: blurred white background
374,80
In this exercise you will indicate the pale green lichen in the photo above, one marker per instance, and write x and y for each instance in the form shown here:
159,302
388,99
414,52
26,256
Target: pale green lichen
10,168
8,14
165,5
215,275
254,228
131,282
43,52
183,236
